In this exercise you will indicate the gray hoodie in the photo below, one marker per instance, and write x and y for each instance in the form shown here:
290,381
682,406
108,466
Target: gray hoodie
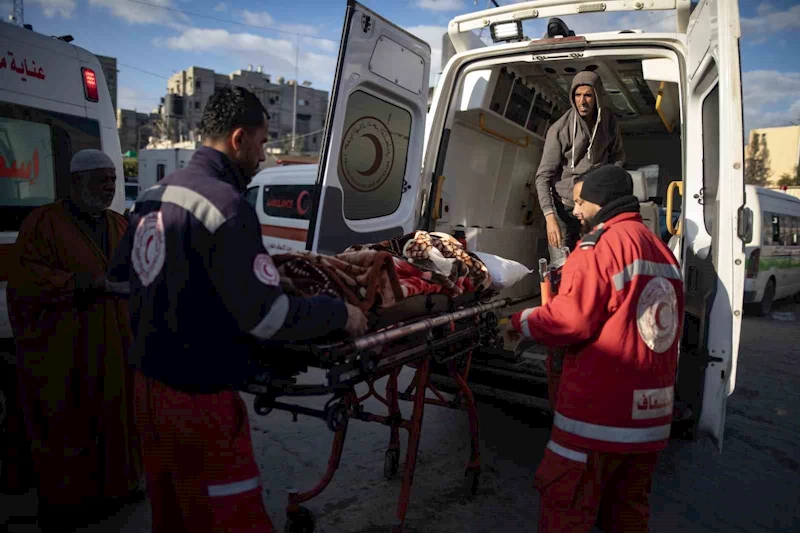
571,149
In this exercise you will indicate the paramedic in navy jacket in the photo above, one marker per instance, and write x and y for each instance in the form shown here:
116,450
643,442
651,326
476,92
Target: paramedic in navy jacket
201,288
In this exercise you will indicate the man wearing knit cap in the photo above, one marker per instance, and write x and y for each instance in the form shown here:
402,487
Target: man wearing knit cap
71,339
585,137
618,316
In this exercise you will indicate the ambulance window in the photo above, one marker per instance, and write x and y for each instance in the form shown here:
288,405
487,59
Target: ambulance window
711,129
373,156
288,201
160,170
36,147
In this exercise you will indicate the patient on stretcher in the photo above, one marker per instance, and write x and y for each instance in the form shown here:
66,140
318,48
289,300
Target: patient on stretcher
380,275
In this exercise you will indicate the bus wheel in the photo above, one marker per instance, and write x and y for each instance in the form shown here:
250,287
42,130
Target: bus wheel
769,297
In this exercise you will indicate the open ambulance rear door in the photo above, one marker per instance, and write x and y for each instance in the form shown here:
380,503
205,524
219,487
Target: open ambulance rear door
368,186
715,220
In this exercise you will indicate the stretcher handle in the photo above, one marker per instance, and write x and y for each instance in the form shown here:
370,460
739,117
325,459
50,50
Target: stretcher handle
372,340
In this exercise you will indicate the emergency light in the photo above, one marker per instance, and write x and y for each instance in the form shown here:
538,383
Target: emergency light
506,31
90,85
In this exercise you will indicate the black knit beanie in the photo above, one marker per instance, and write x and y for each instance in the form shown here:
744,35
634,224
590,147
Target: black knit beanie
605,184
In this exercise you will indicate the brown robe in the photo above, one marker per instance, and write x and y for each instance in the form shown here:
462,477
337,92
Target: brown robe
75,387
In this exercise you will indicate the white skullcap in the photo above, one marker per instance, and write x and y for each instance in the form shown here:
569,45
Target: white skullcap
90,159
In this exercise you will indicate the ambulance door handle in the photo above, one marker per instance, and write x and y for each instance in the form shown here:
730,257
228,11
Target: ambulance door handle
670,193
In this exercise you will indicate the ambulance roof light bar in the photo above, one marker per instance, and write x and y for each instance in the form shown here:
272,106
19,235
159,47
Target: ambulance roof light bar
554,8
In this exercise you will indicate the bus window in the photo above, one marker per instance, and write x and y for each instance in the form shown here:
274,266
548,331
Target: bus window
795,235
36,147
766,229
776,230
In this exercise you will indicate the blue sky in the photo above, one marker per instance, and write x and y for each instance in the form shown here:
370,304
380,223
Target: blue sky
163,41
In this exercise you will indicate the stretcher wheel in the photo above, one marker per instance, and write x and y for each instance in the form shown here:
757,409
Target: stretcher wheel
391,463
300,521
337,417
262,406
471,481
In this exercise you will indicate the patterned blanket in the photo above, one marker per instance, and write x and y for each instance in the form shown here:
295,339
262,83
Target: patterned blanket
379,275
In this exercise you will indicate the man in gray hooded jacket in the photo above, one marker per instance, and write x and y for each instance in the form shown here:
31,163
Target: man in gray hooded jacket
585,137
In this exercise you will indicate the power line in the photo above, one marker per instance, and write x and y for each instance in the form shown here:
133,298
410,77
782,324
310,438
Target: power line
656,21
228,21
145,71
288,139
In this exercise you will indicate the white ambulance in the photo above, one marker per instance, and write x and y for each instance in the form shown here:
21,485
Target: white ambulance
677,97
282,199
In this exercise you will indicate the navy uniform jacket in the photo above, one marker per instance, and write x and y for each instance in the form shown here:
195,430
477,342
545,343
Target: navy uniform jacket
202,285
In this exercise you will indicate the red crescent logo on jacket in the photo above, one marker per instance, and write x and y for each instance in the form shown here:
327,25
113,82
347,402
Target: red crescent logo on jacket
265,270
657,316
149,248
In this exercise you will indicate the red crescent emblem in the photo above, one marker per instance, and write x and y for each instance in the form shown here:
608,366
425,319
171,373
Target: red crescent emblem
302,196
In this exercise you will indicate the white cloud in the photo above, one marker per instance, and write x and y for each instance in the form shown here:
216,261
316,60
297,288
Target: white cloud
769,20
302,29
433,36
221,7
51,8
768,88
326,45
139,13
257,18
441,5
277,55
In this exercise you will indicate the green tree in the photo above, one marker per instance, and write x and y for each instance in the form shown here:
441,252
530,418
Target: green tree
130,167
790,179
757,169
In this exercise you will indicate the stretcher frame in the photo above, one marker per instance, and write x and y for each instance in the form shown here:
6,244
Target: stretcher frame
444,338
549,281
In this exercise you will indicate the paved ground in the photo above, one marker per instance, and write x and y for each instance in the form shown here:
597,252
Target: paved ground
751,487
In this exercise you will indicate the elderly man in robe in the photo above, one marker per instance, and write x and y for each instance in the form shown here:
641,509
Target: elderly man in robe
72,337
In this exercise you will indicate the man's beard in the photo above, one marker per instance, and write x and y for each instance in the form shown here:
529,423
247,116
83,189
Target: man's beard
586,226
95,204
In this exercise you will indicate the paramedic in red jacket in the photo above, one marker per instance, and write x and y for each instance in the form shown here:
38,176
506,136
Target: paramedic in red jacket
619,315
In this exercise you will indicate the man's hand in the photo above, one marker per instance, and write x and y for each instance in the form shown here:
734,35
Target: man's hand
553,231
511,336
356,321
99,283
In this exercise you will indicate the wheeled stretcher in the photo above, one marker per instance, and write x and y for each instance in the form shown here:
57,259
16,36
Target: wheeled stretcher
440,334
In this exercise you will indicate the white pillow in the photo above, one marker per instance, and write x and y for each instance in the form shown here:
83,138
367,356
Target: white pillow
505,272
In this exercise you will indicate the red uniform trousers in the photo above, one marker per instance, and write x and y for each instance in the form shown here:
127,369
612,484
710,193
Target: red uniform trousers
612,487
198,457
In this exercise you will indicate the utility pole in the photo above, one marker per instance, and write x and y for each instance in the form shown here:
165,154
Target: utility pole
294,106
17,13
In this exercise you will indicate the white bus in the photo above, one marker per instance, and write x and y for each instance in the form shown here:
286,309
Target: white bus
384,172
773,254
54,102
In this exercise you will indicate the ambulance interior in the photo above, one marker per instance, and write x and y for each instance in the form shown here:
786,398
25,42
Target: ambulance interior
497,119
